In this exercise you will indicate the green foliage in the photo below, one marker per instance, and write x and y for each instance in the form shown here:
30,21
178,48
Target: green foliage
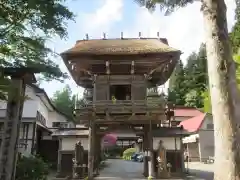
127,154
193,99
165,5
65,101
176,89
235,34
207,102
25,26
31,168
237,60
187,83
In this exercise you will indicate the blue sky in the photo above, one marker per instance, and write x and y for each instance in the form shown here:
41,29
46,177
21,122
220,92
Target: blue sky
183,28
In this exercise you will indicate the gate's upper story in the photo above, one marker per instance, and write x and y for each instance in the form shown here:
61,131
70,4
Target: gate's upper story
118,73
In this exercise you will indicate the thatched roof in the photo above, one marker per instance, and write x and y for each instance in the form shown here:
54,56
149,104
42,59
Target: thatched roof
120,47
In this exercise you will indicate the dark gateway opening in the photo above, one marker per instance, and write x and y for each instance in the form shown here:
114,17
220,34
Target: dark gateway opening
120,92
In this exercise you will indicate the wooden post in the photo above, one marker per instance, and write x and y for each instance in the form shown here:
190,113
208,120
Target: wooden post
97,149
150,152
145,148
182,156
59,157
91,140
91,137
9,147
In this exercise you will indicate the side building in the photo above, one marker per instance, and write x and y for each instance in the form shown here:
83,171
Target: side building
39,119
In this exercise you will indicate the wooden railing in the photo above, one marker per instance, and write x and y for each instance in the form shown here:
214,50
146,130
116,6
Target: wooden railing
123,106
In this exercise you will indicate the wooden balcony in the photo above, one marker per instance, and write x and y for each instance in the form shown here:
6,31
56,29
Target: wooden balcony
121,107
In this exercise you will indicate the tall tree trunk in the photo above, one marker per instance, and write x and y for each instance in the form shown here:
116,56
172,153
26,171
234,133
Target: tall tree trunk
12,122
223,90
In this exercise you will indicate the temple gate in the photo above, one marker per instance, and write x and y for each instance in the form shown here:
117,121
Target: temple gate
119,76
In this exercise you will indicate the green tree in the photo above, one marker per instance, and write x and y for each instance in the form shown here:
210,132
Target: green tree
223,91
207,102
176,91
235,34
196,77
194,99
25,26
65,101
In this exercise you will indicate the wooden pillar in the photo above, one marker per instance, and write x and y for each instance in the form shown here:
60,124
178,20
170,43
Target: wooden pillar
151,172
91,136
145,150
91,143
59,157
9,147
199,150
182,155
97,150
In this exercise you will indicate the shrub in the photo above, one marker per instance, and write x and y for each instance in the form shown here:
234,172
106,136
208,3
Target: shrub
31,168
127,154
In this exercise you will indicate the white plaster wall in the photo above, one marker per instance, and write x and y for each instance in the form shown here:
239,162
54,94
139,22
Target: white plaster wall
68,143
2,112
29,107
206,142
30,104
54,116
208,120
168,142
206,138
42,108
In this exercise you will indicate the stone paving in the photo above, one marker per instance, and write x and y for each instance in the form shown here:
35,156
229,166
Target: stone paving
118,169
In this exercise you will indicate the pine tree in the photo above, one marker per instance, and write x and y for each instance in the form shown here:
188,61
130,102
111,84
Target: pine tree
176,90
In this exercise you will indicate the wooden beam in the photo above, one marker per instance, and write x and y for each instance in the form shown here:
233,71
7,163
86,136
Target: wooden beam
140,61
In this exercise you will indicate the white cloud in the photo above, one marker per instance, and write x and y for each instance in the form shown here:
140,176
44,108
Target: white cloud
103,18
183,28
100,20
